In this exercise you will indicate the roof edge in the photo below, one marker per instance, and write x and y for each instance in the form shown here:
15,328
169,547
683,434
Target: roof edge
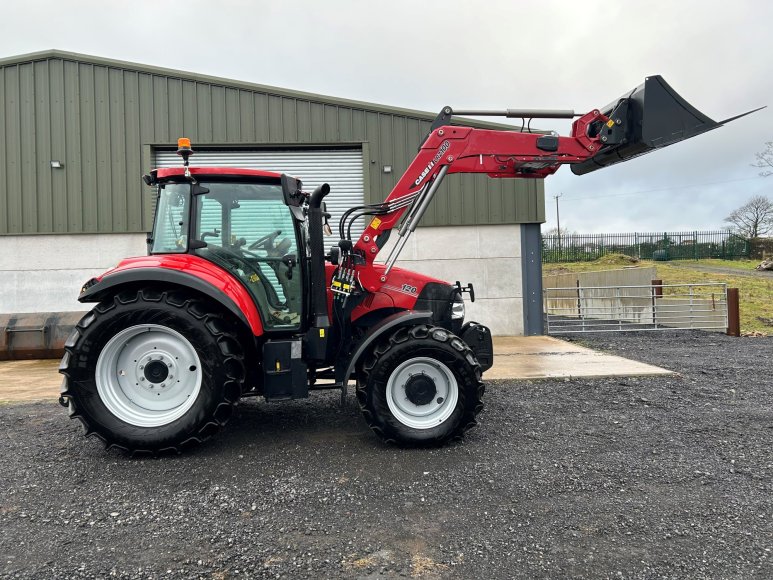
232,83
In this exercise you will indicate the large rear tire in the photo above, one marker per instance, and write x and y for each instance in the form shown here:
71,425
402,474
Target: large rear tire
420,387
152,371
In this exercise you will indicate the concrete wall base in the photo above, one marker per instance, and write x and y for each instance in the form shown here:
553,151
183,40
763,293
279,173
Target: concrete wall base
44,273
487,256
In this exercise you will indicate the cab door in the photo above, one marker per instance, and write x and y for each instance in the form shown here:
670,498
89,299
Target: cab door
248,230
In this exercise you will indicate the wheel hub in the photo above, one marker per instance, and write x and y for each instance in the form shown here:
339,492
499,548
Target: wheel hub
422,392
420,389
148,375
156,371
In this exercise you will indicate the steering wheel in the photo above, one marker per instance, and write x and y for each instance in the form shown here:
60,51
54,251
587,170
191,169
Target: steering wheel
266,241
257,258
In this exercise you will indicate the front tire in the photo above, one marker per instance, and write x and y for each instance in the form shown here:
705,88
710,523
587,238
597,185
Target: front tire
152,371
420,387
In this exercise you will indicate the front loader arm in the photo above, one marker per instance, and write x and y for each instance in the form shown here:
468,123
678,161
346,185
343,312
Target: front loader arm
453,149
649,117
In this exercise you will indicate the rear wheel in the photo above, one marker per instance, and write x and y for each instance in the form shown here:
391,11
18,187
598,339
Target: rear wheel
150,371
421,386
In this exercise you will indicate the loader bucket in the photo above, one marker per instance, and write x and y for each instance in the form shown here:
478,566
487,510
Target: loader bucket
650,117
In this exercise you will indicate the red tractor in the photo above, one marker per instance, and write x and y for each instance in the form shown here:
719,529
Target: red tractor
237,296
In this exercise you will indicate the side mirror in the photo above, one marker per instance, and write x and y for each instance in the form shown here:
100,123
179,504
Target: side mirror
291,190
293,196
325,223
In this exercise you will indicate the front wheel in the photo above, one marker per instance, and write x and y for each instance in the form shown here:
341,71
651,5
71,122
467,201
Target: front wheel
150,371
421,386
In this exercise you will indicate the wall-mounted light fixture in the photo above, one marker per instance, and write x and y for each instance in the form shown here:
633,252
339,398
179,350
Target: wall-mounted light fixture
57,165
387,169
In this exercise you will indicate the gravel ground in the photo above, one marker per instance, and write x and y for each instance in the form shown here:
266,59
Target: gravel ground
613,478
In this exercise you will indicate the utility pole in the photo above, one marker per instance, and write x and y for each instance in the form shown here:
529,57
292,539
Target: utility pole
558,221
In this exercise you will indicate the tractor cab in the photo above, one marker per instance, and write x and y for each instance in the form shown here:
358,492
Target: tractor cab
240,222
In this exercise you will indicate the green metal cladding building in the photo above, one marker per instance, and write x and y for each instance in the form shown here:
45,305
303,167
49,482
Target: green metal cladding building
79,131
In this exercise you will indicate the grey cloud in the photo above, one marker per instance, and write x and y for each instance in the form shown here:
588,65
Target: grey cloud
484,54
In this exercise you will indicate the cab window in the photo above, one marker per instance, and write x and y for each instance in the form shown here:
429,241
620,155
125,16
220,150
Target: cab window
170,230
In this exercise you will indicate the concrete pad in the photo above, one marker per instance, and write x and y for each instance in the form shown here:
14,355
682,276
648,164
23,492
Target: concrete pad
515,357
545,357
29,380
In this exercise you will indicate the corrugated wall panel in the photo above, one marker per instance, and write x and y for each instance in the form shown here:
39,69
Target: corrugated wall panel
42,137
3,158
29,183
161,114
117,160
317,112
73,153
232,113
103,195
288,121
134,143
88,139
219,117
13,150
246,118
261,118
174,109
96,118
58,146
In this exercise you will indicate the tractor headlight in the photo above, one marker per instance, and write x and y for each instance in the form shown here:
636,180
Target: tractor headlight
457,310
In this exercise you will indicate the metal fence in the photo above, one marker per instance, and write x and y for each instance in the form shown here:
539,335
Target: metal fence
635,308
659,246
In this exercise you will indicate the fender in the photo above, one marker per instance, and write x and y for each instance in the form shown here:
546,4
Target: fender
183,270
404,318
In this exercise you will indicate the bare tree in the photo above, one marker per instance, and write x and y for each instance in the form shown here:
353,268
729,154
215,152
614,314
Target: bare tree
565,232
754,218
765,160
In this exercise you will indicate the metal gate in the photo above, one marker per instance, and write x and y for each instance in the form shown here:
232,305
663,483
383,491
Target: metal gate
635,308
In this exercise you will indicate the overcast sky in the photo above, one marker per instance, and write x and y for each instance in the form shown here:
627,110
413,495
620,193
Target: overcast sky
492,54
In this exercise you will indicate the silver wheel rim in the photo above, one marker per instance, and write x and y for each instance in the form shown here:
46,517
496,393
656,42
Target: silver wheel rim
427,415
148,375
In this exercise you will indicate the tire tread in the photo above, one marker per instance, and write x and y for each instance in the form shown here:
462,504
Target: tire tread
420,334
213,322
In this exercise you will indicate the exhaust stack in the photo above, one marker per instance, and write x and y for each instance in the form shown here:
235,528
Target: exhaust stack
650,117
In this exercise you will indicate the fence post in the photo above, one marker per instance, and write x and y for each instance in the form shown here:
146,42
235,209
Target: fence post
560,252
733,313
579,300
657,292
695,246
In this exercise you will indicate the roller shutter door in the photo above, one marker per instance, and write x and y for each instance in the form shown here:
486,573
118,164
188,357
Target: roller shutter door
341,168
